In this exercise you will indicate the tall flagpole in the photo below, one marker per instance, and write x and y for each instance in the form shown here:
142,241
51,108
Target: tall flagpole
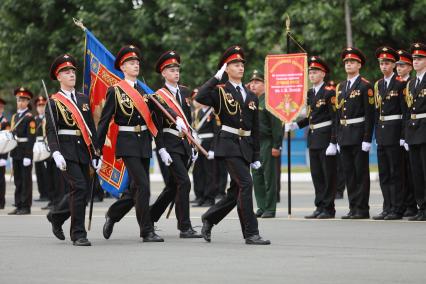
287,24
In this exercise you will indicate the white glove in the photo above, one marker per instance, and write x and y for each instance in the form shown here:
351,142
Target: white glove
97,163
401,142
407,148
165,156
255,165
59,161
331,150
219,73
26,162
291,126
338,148
180,124
194,156
3,162
210,155
365,146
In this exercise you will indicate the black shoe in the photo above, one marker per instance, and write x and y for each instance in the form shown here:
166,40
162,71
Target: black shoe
422,217
410,212
206,230
381,216
359,216
82,242
314,214
259,213
42,199
326,215
415,217
108,227
220,196
196,200
257,240
24,211
199,203
152,237
190,234
393,216
339,195
349,215
268,215
56,228
13,212
208,203
47,207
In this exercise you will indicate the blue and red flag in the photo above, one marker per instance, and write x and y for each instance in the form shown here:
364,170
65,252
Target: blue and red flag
99,74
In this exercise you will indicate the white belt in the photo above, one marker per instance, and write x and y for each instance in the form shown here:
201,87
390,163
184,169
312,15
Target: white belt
321,124
390,117
239,132
417,115
205,135
40,138
74,132
174,132
137,128
352,120
23,139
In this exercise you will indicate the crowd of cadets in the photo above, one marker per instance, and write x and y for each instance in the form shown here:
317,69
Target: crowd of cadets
243,140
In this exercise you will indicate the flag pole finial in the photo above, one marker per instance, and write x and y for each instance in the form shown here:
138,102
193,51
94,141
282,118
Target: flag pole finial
79,23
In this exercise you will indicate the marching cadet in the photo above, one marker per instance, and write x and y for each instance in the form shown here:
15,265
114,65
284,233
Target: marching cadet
71,137
237,144
40,167
128,104
4,125
390,109
355,121
322,146
23,127
177,152
271,137
404,66
204,169
415,135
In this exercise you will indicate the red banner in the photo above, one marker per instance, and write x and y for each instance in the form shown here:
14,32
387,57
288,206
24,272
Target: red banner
286,85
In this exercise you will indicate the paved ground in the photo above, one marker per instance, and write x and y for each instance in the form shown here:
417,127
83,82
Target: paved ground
302,251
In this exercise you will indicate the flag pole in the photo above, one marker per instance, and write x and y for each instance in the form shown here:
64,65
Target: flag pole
287,28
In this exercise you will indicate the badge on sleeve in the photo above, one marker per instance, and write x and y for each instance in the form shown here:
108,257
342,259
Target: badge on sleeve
32,127
252,105
85,107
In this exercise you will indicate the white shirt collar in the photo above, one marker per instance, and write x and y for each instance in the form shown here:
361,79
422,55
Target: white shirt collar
171,88
420,76
317,87
406,77
243,91
131,83
21,111
387,79
68,93
353,80
41,116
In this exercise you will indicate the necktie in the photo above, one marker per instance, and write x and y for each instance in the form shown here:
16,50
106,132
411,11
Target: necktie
386,85
348,87
313,91
417,82
178,97
239,91
73,98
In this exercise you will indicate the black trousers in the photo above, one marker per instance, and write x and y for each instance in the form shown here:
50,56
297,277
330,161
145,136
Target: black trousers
356,167
221,176
389,162
323,172
204,180
239,194
407,183
177,189
41,174
56,185
73,204
2,187
418,170
138,195
341,180
23,184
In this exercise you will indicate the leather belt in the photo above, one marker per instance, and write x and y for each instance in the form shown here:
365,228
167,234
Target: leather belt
74,132
39,138
417,115
239,132
390,117
21,139
137,128
320,125
205,135
174,132
352,120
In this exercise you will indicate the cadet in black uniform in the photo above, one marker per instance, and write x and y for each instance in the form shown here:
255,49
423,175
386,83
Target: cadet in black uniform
24,128
71,136
404,66
355,121
4,125
415,132
321,113
390,109
237,143
177,152
127,103
41,166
